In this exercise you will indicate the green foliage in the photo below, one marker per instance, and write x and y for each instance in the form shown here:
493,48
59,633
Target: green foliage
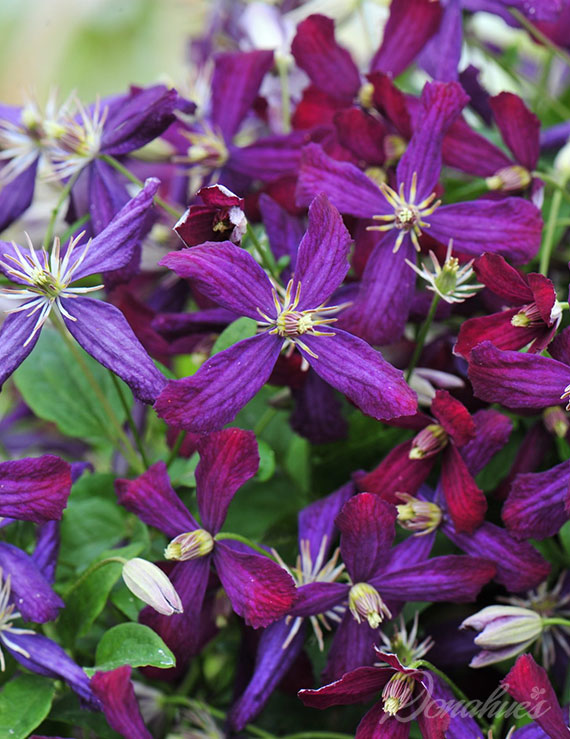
131,644
239,330
24,703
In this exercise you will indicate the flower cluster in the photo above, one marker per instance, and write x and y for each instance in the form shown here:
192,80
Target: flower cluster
246,452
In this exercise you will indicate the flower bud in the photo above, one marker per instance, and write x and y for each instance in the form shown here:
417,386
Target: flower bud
513,177
428,442
191,545
419,516
149,583
364,601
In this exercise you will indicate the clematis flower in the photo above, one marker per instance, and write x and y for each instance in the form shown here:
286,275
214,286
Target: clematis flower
45,284
226,382
403,212
114,690
259,589
405,693
534,319
221,213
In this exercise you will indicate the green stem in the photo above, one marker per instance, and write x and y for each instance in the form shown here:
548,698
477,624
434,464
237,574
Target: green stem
469,190
539,36
317,735
64,194
556,622
283,69
130,420
90,570
180,700
548,245
563,305
422,336
246,541
129,451
456,690
111,161
264,421
265,255
175,449
554,182
74,226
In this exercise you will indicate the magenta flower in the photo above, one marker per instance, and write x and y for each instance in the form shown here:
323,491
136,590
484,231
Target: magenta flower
115,691
221,215
259,589
300,318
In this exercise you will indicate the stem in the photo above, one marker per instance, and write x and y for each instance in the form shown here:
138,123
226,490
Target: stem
554,182
174,212
265,255
422,336
547,247
264,421
534,31
74,226
317,735
470,190
176,448
282,68
215,712
556,622
246,541
448,681
130,419
90,570
129,451
64,194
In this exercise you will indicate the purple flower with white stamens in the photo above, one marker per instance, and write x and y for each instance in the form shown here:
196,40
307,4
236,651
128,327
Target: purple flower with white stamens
300,317
44,284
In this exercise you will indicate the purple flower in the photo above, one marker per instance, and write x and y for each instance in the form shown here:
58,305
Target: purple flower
300,318
44,284
115,691
259,589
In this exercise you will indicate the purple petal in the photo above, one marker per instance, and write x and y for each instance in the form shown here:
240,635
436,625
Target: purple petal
519,128
15,332
316,521
357,686
271,664
440,57
376,724
498,329
352,647
537,505
17,195
319,597
329,65
410,25
226,274
516,380
107,194
268,158
228,459
152,498
511,227
31,592
102,330
443,102
469,151
492,431
284,231
560,347
213,396
34,489
235,84
449,578
466,503
114,246
322,260
259,590
47,549
397,473
380,311
519,566
347,188
353,367
367,525
318,411
115,691
49,659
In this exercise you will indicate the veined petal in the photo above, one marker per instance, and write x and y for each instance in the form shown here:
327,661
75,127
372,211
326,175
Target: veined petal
353,367
397,473
519,128
228,459
226,274
318,412
213,396
102,330
454,417
496,328
235,84
502,279
357,686
322,260
317,520
259,590
17,195
152,498
368,526
34,489
492,431
268,158
329,65
115,691
465,501
347,188
352,647
511,227
440,57
16,341
107,195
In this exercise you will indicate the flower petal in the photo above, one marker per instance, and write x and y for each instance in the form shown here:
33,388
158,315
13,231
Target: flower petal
34,489
502,279
15,332
352,647
353,367
454,417
213,396
466,503
102,330
492,431
316,521
397,473
519,128
357,686
115,691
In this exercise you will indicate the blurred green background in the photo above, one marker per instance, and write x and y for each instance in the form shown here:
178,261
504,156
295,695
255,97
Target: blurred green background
93,46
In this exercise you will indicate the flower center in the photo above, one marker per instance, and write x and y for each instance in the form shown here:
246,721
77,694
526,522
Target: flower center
365,602
428,442
419,516
190,545
408,216
397,692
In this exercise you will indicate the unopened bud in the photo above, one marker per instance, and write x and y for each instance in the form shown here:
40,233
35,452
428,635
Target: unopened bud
556,421
397,692
428,442
513,177
191,545
419,516
364,602
149,583
562,160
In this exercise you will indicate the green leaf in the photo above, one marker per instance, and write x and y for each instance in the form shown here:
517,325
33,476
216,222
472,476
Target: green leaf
241,329
131,644
87,597
89,527
24,703
56,389
266,461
